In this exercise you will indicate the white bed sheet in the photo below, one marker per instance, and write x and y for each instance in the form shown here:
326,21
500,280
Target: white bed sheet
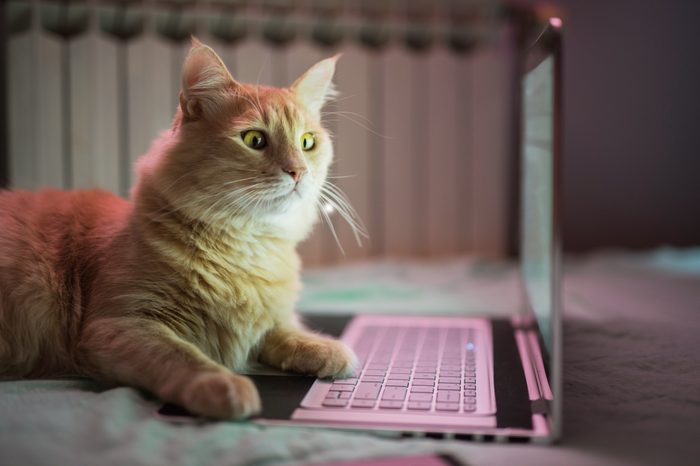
631,394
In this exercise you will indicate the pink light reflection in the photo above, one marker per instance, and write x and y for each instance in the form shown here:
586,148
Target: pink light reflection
555,22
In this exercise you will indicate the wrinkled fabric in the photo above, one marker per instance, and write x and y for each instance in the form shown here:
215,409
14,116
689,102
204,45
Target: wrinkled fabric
631,375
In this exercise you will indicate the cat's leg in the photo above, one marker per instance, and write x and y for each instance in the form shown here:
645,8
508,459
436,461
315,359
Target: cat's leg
305,352
149,355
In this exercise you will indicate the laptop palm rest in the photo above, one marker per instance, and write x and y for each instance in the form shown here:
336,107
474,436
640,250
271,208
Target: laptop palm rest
282,394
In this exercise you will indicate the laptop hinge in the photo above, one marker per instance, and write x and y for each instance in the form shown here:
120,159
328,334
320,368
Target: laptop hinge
524,326
535,376
540,406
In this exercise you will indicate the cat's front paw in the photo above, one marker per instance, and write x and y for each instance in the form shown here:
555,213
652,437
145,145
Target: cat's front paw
221,395
322,357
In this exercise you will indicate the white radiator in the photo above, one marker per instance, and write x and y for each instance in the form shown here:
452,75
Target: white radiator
421,133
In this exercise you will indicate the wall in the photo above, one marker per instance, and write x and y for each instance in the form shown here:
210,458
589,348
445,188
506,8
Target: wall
421,133
632,110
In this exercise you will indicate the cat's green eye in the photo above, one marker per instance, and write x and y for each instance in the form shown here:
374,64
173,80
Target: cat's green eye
254,139
308,141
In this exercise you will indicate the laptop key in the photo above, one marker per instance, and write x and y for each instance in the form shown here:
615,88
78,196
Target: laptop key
396,383
397,376
399,362
420,397
421,389
450,367
447,406
449,380
450,373
470,386
468,407
448,386
469,392
375,372
362,403
394,393
430,368
470,380
396,369
335,403
422,375
342,387
429,362
448,397
467,399
424,382
451,361
367,391
388,404
377,367
418,405
372,378
350,381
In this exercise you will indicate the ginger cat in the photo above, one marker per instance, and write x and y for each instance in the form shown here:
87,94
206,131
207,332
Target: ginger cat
178,289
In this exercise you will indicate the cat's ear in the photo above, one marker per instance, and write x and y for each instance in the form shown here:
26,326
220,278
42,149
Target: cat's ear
315,86
205,82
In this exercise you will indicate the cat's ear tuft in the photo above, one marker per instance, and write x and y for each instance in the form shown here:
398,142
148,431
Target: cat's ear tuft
205,82
315,87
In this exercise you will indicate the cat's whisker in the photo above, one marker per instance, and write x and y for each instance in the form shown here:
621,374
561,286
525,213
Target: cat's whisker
245,202
248,170
239,195
202,197
167,209
207,212
357,233
333,195
255,104
341,198
340,177
257,202
339,98
240,180
257,91
348,113
167,189
210,212
359,124
250,196
329,222
187,196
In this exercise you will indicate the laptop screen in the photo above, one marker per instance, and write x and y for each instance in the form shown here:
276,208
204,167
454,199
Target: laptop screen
537,190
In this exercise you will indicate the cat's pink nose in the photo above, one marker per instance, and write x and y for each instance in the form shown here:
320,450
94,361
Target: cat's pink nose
295,172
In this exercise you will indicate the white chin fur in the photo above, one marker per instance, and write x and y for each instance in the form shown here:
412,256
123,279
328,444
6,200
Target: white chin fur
295,222
291,215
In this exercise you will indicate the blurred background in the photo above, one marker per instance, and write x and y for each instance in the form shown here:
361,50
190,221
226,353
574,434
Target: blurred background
631,109
423,124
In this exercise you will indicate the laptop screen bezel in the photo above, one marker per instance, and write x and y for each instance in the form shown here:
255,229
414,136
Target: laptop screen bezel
542,42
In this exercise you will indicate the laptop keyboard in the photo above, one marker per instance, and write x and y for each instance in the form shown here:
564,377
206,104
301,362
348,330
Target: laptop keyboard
410,369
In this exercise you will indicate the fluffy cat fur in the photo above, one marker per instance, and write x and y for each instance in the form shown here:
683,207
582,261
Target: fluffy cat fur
178,289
